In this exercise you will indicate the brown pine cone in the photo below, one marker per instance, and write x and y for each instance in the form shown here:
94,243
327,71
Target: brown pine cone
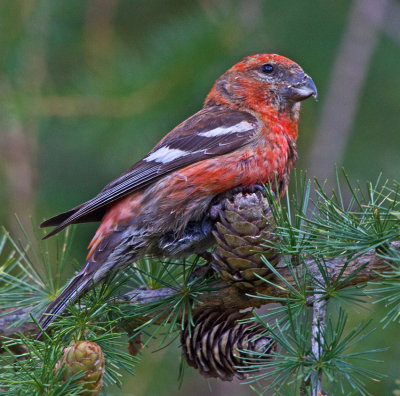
215,343
245,223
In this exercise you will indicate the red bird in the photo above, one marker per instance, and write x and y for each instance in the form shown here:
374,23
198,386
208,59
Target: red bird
244,135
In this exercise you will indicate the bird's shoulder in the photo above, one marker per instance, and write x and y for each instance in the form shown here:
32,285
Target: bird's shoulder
212,121
211,131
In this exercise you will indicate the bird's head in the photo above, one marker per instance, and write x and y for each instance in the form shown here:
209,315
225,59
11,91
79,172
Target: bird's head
264,83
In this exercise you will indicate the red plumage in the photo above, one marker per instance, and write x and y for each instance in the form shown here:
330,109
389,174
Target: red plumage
244,135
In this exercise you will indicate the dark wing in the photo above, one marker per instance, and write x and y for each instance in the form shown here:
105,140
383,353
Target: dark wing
208,133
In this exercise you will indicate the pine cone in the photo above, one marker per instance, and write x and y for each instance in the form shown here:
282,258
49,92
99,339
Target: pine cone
214,344
84,356
245,223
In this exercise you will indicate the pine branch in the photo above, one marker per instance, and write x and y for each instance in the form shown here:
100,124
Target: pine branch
317,332
366,267
8,320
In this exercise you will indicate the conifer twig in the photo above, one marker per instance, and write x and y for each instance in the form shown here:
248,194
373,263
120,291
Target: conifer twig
369,266
317,330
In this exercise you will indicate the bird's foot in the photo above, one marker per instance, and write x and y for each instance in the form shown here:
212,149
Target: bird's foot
205,270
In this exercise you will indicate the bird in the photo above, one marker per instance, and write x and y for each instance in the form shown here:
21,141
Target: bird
244,136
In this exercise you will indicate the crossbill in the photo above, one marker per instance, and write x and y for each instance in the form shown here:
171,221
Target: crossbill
244,136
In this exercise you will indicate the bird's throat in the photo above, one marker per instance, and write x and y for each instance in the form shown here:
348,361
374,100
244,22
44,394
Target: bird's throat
281,122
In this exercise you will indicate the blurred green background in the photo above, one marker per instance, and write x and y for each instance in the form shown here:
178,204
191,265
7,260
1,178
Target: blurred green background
87,87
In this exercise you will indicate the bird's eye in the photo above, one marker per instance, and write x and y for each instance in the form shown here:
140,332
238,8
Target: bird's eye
267,68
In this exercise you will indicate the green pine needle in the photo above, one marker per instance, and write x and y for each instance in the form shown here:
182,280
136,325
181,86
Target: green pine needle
294,361
327,227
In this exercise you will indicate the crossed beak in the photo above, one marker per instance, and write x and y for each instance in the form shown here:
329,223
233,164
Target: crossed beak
302,87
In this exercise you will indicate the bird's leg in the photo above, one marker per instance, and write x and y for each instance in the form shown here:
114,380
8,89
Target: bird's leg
255,188
207,256
205,270
216,208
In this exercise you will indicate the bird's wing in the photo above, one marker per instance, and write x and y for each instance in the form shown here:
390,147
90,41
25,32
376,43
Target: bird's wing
208,133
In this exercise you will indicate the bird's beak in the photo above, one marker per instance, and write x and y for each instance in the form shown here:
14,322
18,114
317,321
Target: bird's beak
301,88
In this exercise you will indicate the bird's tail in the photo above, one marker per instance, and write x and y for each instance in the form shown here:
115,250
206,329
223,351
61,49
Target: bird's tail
75,288
114,252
